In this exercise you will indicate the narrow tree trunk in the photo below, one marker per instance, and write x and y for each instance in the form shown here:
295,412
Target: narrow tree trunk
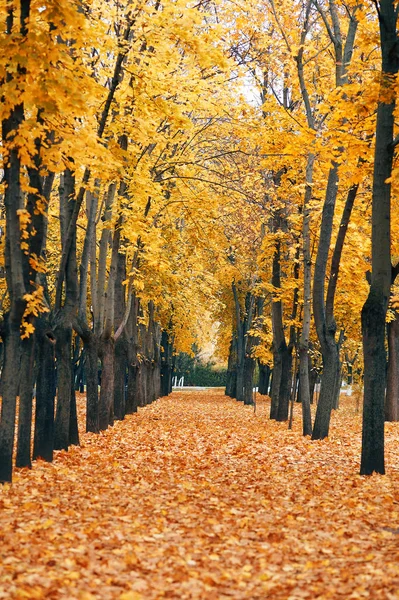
10,381
63,349
325,330
120,379
166,363
132,398
45,393
307,295
73,417
106,416
120,343
327,392
92,400
285,386
249,370
392,395
264,379
27,376
240,334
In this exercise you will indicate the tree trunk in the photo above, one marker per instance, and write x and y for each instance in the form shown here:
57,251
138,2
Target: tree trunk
92,400
373,328
106,416
240,334
45,393
307,295
285,386
73,417
63,349
264,379
27,376
392,395
249,369
132,397
120,378
282,353
166,363
64,317
276,383
10,381
120,343
327,392
375,307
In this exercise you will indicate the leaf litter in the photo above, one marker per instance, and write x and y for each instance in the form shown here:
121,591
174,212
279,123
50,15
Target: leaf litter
197,497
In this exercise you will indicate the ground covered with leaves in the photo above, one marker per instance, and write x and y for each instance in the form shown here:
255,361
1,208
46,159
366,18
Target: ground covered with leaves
198,497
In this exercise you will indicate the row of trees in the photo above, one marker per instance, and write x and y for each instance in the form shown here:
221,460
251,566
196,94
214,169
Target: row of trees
108,110
316,67
168,165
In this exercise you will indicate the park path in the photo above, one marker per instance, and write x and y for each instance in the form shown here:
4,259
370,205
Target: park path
197,497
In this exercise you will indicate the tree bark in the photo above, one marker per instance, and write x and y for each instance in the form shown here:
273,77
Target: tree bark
120,343
375,307
307,278
63,320
264,379
106,353
43,444
27,376
392,394
166,363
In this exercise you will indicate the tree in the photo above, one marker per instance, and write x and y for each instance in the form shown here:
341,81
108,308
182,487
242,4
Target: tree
375,307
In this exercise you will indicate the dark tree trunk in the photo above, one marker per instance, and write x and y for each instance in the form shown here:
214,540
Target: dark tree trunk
327,392
79,360
63,349
120,378
325,321
166,364
312,382
10,381
92,400
373,327
231,380
282,352
120,342
64,317
239,395
375,307
285,386
156,372
240,337
338,383
276,382
107,356
392,395
264,379
26,383
131,396
73,417
249,370
45,393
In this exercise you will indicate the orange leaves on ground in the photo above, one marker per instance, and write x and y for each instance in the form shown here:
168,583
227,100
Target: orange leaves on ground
197,497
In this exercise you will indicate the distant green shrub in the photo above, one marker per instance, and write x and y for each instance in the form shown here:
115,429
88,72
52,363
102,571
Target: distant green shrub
199,373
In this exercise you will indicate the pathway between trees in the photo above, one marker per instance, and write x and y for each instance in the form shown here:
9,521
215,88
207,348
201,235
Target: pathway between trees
197,497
